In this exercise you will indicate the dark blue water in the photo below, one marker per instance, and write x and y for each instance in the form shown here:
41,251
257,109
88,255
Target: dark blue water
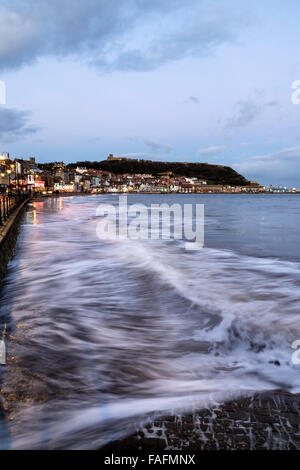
101,333
256,225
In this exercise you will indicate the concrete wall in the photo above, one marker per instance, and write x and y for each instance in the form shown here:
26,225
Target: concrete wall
8,237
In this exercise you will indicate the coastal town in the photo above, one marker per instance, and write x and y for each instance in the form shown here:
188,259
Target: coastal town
18,175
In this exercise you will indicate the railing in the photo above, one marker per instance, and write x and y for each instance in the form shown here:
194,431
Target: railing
9,203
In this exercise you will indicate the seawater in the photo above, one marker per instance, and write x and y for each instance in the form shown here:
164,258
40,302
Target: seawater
102,333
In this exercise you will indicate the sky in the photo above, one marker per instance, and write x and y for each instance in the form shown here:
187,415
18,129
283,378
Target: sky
173,80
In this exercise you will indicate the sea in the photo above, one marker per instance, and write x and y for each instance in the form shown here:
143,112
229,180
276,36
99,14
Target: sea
101,334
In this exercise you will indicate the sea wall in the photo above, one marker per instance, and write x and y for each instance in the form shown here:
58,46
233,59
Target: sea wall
8,237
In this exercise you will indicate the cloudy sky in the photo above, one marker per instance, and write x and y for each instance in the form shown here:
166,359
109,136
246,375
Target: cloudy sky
191,80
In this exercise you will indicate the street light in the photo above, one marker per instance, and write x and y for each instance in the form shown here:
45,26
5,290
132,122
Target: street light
8,172
2,182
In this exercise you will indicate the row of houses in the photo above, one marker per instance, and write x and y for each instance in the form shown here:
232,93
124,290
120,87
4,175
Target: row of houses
27,175
21,175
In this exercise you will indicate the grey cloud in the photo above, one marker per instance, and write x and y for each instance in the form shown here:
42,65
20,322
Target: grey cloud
14,124
203,34
111,34
278,167
94,139
211,151
248,111
194,99
155,146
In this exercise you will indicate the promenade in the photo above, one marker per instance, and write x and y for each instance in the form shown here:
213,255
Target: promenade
11,211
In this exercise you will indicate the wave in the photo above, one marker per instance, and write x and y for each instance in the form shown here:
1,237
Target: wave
108,332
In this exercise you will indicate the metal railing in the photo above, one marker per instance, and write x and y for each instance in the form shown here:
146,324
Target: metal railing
9,203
